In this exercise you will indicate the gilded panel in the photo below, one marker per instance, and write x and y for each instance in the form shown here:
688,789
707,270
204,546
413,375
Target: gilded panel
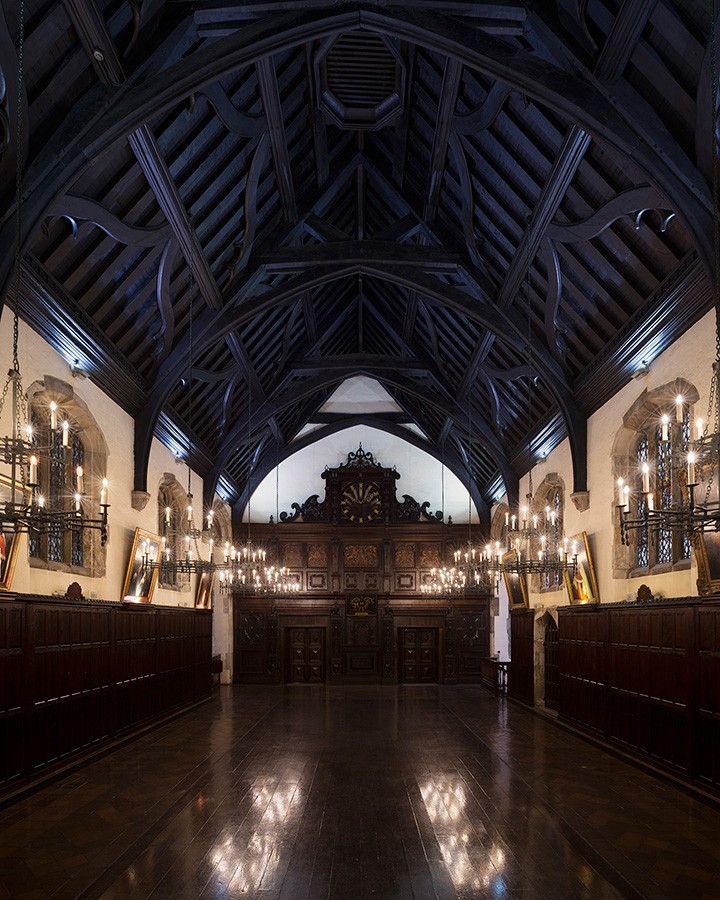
430,556
363,556
404,556
292,555
317,556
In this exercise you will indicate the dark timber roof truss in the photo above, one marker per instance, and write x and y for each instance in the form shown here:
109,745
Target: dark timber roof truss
359,188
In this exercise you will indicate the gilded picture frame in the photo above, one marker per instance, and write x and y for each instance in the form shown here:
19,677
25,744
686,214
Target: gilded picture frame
582,588
9,540
515,584
707,554
203,597
140,579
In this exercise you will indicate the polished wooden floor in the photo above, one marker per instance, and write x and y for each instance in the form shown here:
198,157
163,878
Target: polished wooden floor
300,793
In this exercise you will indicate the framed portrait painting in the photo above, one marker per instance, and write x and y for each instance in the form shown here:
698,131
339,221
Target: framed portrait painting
203,597
515,584
707,553
140,577
582,587
9,539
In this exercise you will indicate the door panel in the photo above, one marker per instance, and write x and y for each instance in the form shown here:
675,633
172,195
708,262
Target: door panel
419,655
307,655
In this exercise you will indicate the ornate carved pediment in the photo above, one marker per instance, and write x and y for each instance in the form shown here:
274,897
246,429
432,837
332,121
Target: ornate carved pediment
359,491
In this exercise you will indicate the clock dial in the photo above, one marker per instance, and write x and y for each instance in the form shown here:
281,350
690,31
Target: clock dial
360,502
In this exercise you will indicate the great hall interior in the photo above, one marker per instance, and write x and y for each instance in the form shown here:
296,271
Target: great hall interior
360,443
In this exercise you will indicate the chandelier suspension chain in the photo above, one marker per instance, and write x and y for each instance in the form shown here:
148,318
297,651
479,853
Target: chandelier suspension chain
530,367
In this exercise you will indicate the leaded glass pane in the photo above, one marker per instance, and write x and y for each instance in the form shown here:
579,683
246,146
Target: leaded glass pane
56,487
643,550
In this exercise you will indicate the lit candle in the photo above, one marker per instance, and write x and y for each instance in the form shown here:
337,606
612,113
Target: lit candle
77,502
650,503
189,513
33,470
507,518
41,501
53,416
79,473
626,493
679,407
620,484
28,432
535,518
524,516
104,492
691,468
513,523
700,429
645,478
665,421
66,433
167,515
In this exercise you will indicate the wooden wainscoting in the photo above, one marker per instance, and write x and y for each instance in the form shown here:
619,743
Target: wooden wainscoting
75,676
645,678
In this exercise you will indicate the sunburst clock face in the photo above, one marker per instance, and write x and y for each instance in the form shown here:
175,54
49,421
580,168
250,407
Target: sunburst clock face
360,502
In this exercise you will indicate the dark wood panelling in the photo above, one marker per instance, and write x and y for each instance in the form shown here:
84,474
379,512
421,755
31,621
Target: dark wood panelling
359,648
582,668
75,676
646,679
11,691
707,724
522,668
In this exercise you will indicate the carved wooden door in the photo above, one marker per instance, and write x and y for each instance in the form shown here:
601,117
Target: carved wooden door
418,655
307,655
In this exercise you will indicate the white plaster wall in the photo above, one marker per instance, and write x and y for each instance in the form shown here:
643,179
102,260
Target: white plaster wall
690,357
420,474
38,359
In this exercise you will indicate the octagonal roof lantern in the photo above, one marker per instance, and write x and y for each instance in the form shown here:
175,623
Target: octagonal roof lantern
360,80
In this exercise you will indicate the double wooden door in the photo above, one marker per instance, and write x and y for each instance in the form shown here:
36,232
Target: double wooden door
419,663
307,655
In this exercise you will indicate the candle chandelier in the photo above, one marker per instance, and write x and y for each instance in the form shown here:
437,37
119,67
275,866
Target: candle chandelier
24,508
246,570
535,545
692,452
179,551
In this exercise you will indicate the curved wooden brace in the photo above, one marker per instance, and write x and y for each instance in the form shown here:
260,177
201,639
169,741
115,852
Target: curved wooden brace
310,386
244,245
267,463
213,326
468,204
77,207
704,115
641,198
214,377
232,118
550,258
9,110
492,390
590,103
166,334
484,115
511,374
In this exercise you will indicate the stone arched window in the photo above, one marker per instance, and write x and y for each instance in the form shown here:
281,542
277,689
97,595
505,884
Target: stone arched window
172,503
79,553
645,437
549,504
